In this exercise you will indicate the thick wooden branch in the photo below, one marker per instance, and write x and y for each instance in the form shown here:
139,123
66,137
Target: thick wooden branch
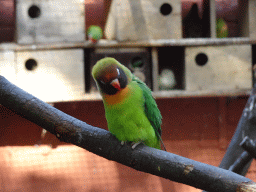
102,143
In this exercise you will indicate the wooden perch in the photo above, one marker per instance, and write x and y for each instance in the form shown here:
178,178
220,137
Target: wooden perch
102,143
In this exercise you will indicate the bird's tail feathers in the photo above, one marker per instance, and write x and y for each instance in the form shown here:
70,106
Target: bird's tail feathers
159,136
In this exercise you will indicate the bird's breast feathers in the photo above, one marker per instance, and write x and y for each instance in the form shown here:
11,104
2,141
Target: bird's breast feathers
132,91
127,119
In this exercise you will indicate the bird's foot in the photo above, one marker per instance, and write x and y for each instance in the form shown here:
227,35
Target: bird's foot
134,145
123,142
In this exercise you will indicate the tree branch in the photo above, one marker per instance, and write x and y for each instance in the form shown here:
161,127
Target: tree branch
102,143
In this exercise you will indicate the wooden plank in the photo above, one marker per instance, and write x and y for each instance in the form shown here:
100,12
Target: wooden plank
115,44
144,19
218,67
50,21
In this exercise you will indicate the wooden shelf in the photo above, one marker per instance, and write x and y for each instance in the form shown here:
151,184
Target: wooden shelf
179,94
115,44
205,93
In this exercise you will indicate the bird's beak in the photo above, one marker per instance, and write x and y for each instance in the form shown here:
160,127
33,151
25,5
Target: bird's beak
115,83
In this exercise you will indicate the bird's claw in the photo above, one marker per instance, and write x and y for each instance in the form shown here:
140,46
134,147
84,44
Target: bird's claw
123,142
134,145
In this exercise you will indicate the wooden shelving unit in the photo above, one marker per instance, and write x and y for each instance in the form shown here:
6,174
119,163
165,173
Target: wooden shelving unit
153,45
156,48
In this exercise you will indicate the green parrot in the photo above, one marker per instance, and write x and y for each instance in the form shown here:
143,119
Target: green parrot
131,111
221,28
94,33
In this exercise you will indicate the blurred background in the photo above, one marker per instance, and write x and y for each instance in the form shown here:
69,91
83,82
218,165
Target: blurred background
196,127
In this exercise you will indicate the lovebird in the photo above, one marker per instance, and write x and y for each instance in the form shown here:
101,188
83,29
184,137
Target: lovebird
94,33
130,109
167,79
221,28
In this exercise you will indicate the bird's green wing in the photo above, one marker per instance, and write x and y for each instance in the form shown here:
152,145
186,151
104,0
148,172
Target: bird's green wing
152,112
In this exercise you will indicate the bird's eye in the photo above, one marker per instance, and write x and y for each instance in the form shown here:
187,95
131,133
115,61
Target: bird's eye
118,72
